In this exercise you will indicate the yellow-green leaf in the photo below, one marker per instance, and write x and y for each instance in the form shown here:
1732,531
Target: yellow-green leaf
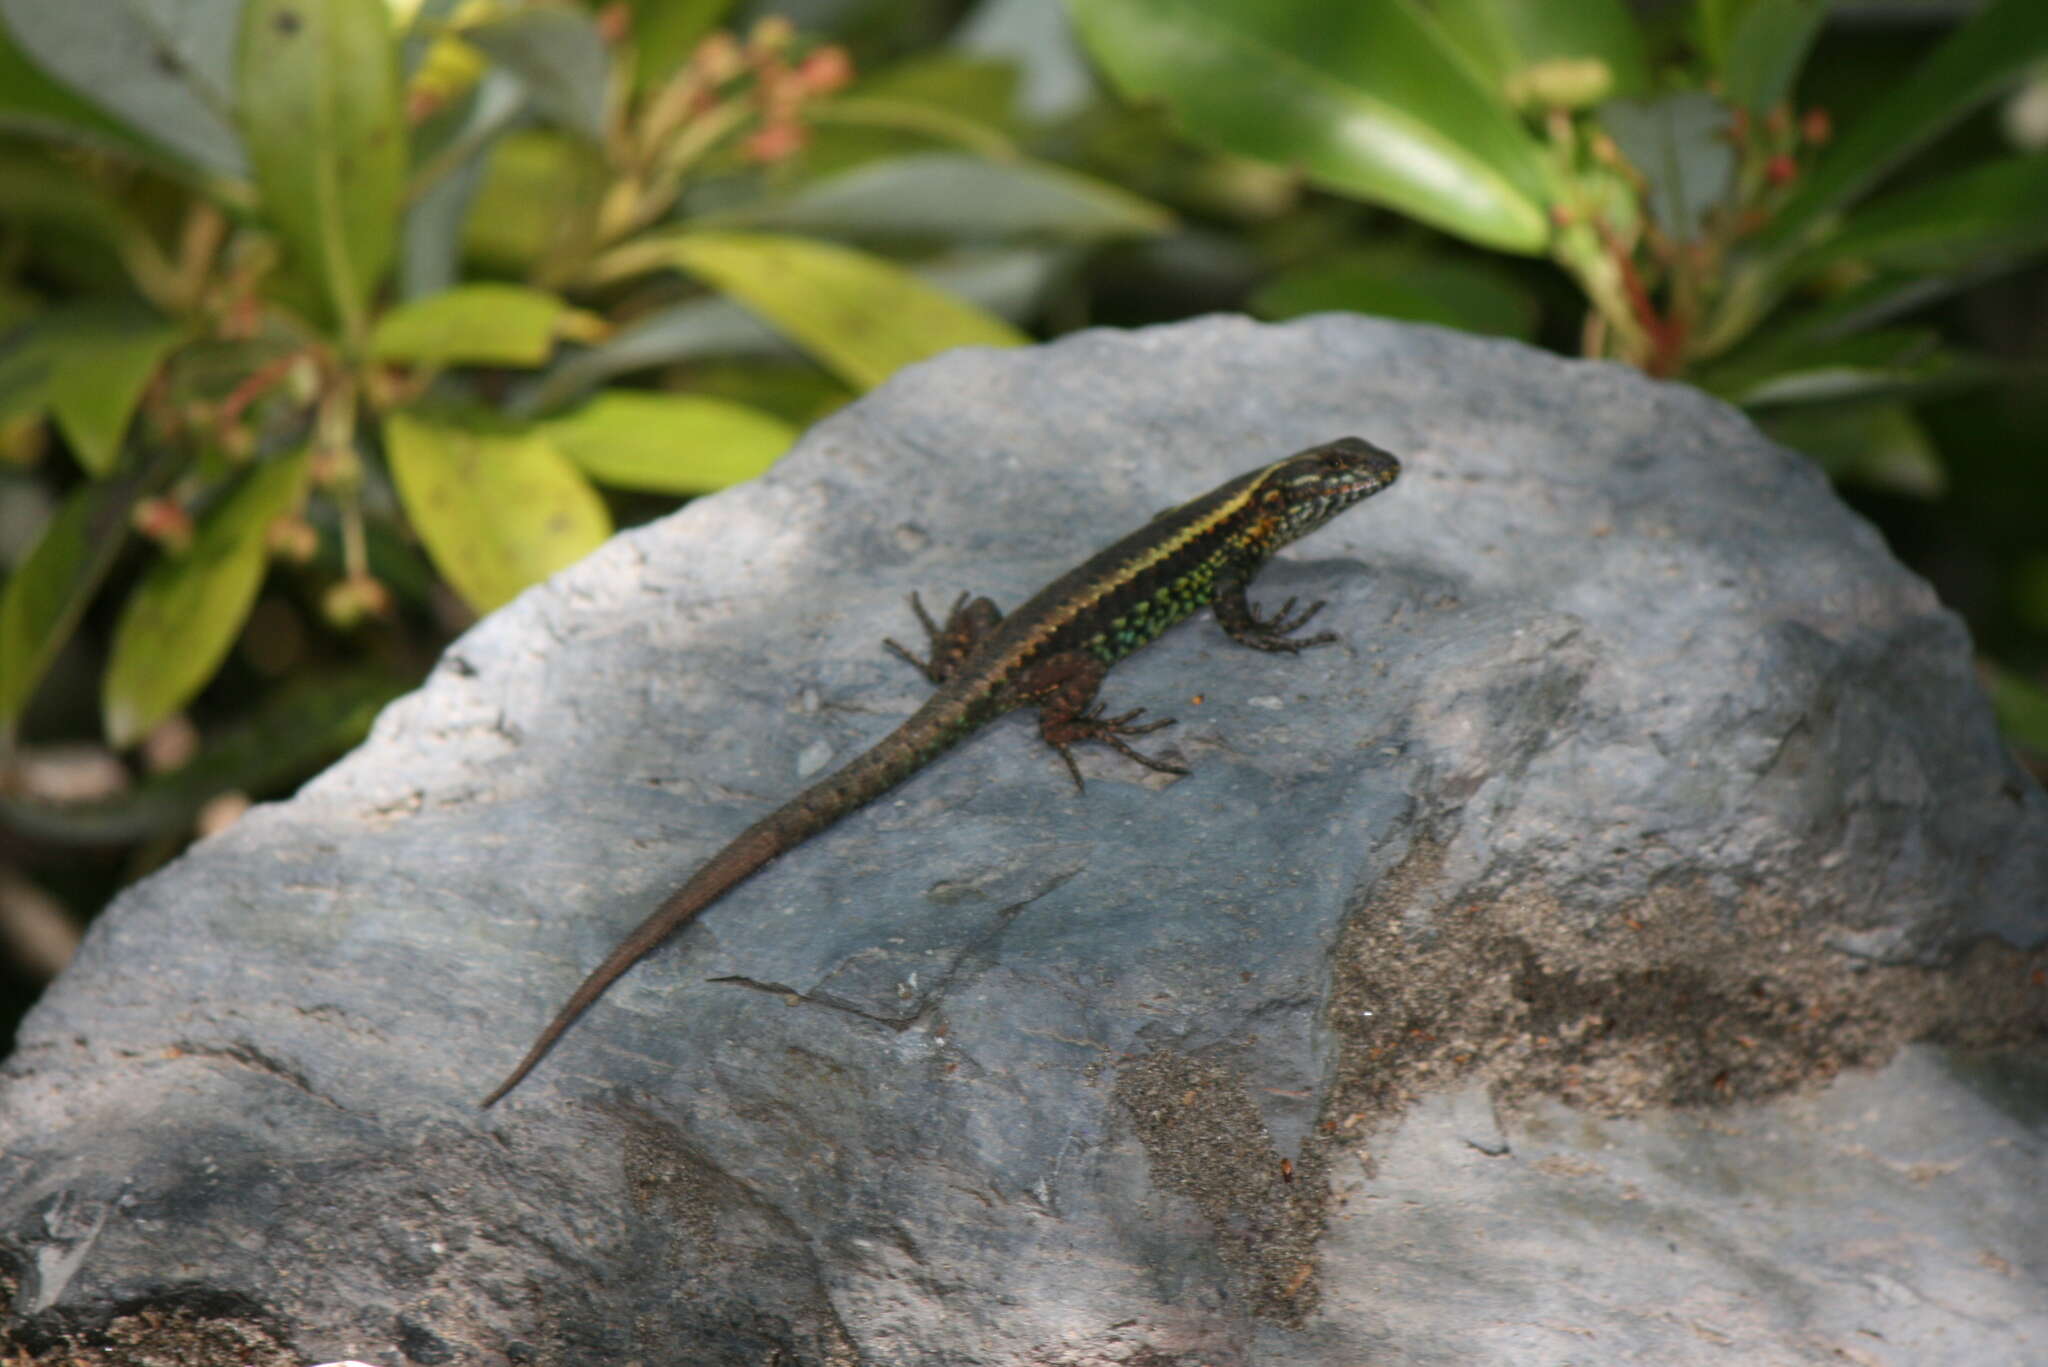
860,315
483,324
318,95
177,626
669,443
539,189
498,510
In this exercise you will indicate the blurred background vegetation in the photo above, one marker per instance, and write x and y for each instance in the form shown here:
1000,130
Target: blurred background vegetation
327,325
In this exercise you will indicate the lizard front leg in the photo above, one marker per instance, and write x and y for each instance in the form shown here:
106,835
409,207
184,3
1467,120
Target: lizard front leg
1062,688
1246,626
967,626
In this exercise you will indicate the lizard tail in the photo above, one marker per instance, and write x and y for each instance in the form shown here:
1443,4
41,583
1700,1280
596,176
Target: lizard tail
736,861
929,732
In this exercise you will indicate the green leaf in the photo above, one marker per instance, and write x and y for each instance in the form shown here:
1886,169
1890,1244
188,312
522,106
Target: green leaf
1953,224
482,324
950,196
86,365
497,510
162,66
46,192
977,88
1712,28
665,32
860,315
107,353
50,588
886,122
1765,50
559,55
1369,100
1680,143
1886,361
1514,41
951,98
1879,445
31,102
320,110
286,737
1991,50
1863,306
178,624
1407,285
668,443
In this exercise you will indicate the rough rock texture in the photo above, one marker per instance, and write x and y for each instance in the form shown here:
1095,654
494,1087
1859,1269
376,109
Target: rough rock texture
1485,995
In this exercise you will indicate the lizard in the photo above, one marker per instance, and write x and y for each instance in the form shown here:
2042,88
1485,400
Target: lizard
1050,654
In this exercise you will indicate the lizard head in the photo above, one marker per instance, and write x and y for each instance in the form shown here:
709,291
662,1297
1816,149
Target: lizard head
1309,488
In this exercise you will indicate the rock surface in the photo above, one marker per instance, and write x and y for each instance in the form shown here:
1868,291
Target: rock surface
1475,1000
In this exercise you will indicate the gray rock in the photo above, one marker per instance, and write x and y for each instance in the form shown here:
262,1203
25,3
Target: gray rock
1645,794
1893,1218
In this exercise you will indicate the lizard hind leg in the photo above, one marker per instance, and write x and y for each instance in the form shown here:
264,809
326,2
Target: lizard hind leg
967,626
1063,689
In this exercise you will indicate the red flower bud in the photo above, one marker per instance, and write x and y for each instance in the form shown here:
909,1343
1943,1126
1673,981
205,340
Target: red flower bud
826,70
165,522
774,142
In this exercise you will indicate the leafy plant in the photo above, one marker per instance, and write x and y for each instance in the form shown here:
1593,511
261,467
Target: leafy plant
306,279
1689,202
382,313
